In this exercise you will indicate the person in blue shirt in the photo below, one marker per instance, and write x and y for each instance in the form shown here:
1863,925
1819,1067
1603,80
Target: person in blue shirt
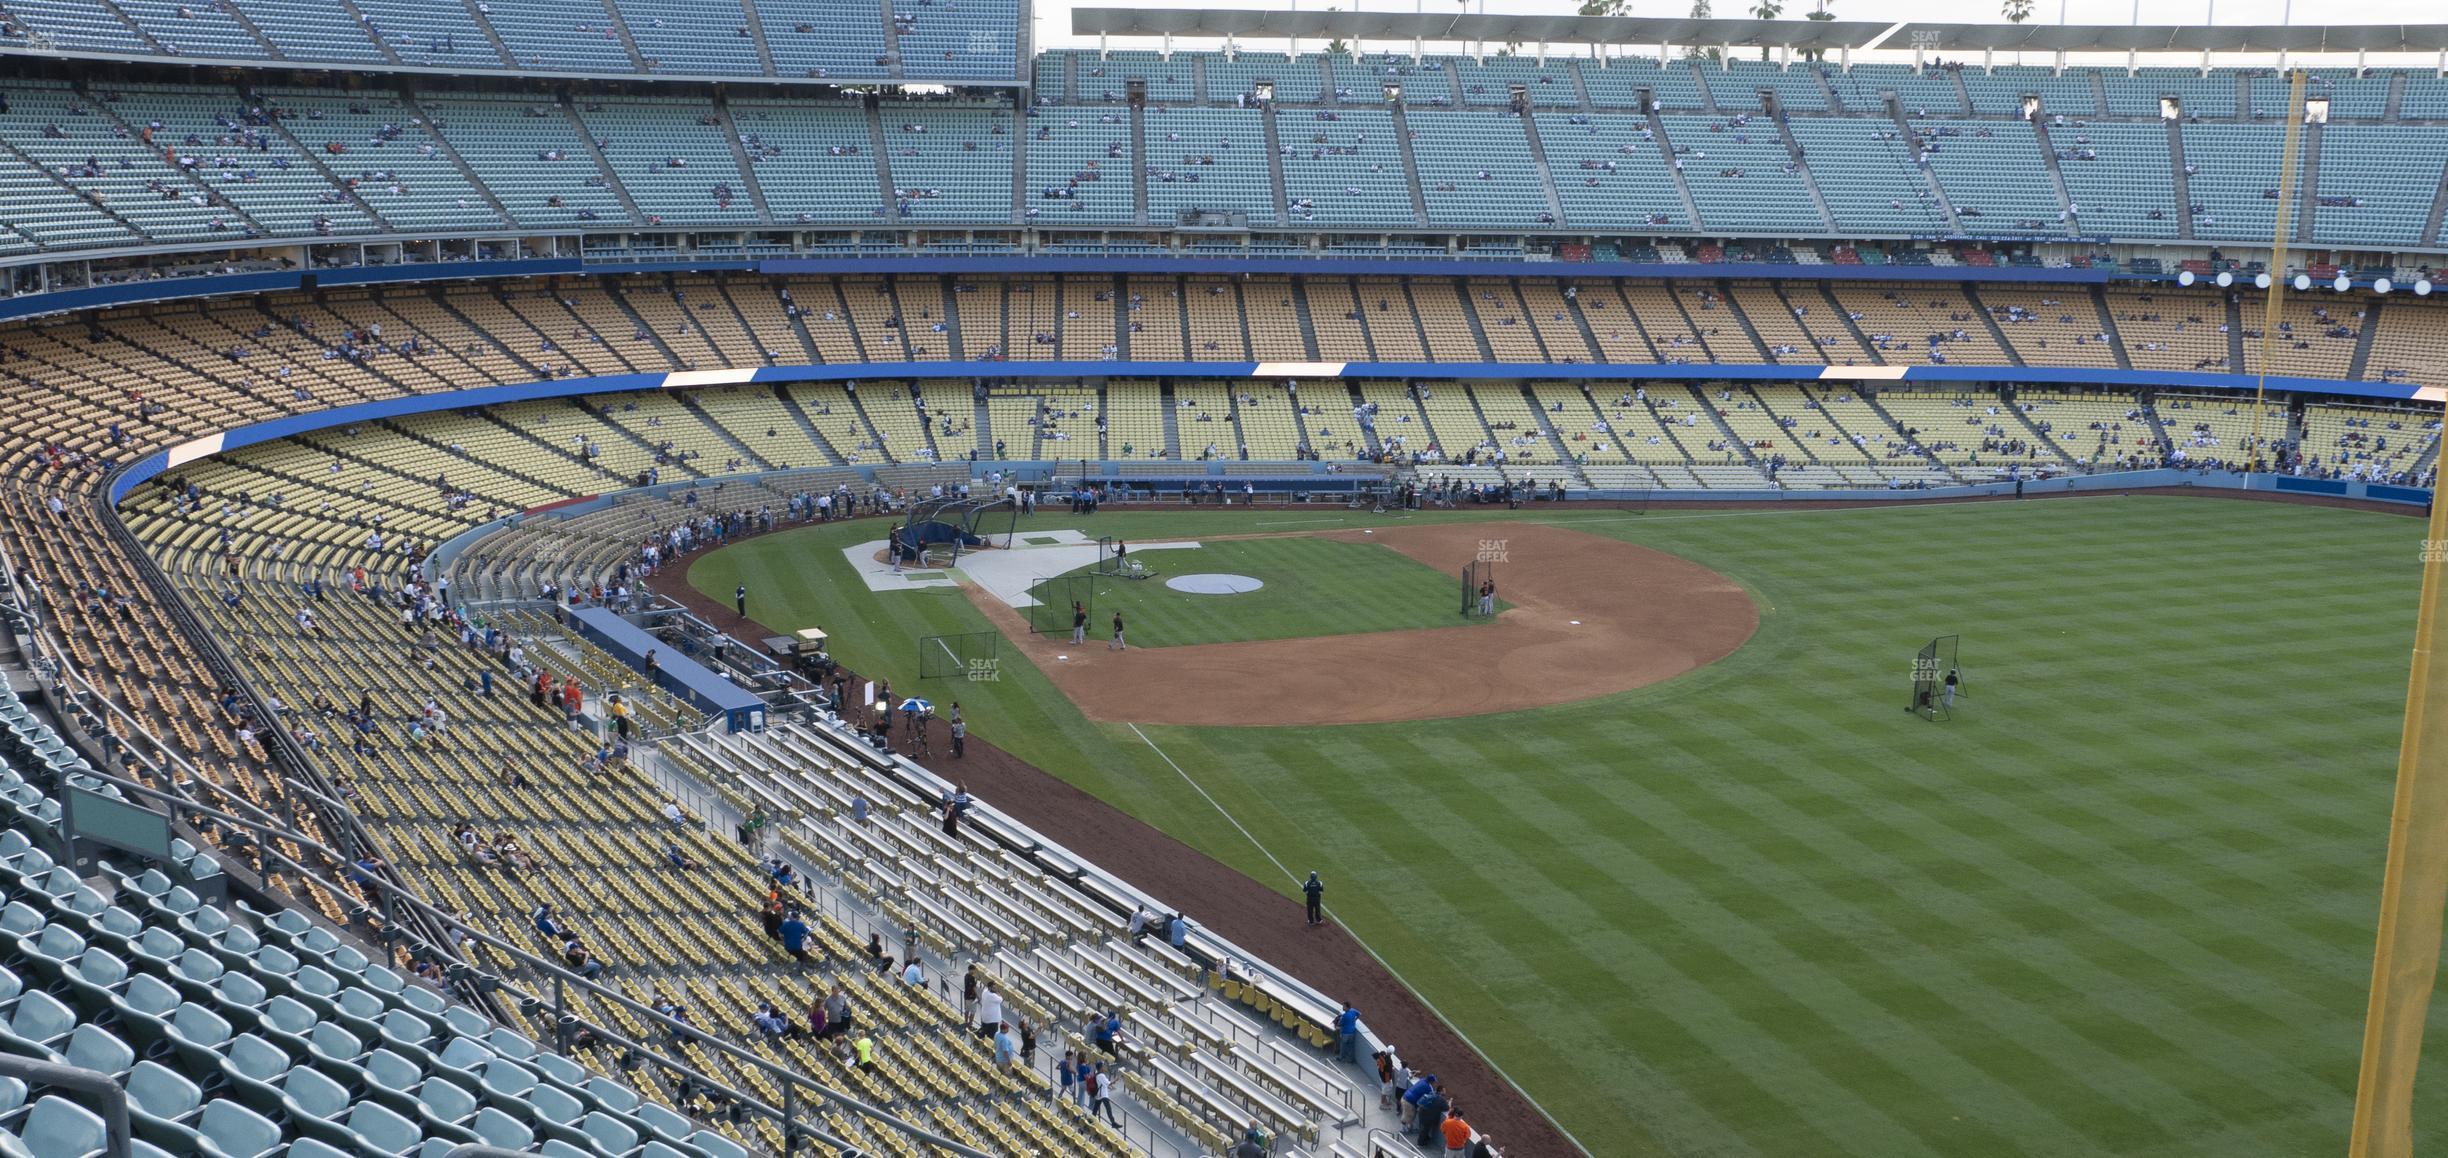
1068,1077
1411,1099
543,921
1347,1029
794,936
1108,1032
1177,931
1005,1048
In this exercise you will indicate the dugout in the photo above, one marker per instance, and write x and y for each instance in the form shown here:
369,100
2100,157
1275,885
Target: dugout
698,685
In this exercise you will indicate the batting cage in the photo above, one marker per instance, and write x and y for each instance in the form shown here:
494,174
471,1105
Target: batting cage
955,656
1475,574
1052,613
1932,665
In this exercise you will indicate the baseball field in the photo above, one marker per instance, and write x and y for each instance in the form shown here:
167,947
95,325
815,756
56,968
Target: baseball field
2121,903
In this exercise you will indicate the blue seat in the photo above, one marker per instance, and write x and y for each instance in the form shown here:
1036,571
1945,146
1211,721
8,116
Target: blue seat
231,1130
96,977
251,1065
145,1007
314,1103
495,1128
59,1128
199,1036
379,1133
37,1027
163,1107
445,1108
95,1048
717,1146
610,1134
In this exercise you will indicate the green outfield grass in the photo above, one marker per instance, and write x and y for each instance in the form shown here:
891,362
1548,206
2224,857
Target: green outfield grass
1313,587
2122,904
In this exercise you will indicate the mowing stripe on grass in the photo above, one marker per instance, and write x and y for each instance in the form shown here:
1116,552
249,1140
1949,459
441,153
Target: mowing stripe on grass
1364,945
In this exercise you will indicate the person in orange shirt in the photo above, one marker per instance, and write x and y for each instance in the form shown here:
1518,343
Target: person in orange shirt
1457,1134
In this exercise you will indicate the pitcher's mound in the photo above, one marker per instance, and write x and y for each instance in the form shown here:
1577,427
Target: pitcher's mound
1214,584
1590,616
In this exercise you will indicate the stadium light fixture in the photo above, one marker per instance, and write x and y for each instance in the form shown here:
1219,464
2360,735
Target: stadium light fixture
2185,278
2261,280
2303,282
2422,288
2383,285
2342,284
2225,279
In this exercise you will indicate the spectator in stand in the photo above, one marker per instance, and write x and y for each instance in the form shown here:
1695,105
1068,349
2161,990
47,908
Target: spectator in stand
1347,1034
794,937
1420,1088
1100,1091
1431,1119
1457,1133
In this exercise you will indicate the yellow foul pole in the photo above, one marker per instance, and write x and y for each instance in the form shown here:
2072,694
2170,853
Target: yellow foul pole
2281,232
2414,889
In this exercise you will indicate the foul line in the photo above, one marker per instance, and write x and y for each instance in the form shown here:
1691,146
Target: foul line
1570,521
1364,945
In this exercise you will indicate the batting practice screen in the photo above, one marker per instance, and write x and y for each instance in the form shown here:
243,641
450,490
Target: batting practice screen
954,656
1052,614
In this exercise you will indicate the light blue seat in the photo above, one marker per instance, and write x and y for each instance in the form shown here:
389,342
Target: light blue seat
511,1044
157,948
208,923
52,949
460,1062
610,1134
115,928
195,972
312,1148
163,1107
199,1036
21,921
164,1093
274,966
376,1131
607,1093
717,1146
495,1128
236,947
59,1128
145,1007
393,1080
252,1064
334,1046
444,1107
96,977
37,1027
314,1103
287,1021
665,1122
465,1022
506,1084
95,1048
233,1131
556,1113
400,1027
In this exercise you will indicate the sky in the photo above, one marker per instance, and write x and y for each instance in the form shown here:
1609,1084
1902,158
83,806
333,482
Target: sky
1054,16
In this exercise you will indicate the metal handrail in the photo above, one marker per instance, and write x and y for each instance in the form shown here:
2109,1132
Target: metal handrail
103,1091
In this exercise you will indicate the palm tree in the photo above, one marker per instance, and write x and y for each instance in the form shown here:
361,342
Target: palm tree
2018,11
1820,13
1766,10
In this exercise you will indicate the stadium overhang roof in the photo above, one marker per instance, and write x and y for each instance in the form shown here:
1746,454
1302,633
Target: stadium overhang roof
1532,29
2424,38
1822,35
